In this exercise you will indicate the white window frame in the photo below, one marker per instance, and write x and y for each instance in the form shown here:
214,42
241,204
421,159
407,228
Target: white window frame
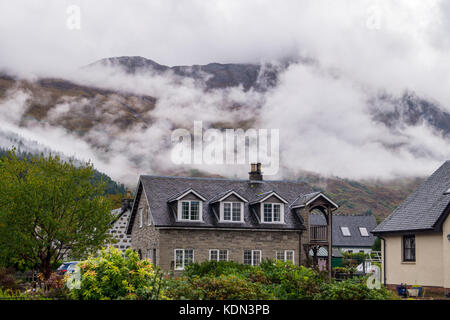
344,230
200,209
253,257
272,204
222,212
365,233
141,217
285,253
218,254
149,217
183,258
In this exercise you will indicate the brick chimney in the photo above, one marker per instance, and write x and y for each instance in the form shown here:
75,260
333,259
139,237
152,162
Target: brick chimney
255,173
127,201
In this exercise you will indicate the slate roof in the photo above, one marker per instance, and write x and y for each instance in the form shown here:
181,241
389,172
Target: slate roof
353,223
159,189
303,199
423,208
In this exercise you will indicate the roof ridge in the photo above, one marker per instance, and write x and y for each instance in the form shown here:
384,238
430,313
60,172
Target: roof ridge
220,179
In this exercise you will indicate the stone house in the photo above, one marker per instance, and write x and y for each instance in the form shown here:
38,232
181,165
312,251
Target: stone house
416,236
178,220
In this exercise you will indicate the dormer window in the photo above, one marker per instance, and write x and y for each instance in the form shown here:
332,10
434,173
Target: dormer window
271,206
190,210
231,206
232,212
272,213
189,205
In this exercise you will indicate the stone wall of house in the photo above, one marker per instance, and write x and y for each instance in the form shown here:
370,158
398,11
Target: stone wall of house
118,230
145,239
235,241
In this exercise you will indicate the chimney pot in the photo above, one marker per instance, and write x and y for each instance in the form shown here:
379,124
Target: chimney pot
255,173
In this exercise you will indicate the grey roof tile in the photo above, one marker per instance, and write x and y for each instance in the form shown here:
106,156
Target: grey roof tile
423,208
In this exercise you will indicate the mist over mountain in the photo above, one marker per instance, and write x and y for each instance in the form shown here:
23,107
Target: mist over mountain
119,112
212,75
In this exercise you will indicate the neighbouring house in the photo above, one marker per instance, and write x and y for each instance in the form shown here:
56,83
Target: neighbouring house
118,227
179,220
351,233
416,236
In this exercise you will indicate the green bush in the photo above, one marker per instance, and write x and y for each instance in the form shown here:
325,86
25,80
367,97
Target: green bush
351,289
269,280
113,275
216,268
224,287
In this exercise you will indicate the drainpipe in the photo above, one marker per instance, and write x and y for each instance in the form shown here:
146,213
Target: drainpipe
384,259
300,260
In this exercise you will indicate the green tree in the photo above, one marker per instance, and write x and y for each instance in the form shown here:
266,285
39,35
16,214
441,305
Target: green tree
50,209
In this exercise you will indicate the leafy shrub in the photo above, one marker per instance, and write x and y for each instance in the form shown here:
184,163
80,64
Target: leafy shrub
113,275
269,280
10,294
289,281
352,289
224,287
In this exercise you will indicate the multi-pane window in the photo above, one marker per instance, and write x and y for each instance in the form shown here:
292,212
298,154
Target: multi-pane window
218,255
409,248
286,255
183,257
227,211
190,210
185,210
345,231
232,211
252,257
271,212
141,218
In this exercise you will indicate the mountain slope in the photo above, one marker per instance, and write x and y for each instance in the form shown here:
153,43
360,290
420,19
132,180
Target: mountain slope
214,75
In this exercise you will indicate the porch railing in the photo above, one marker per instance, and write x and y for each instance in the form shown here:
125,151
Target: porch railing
318,233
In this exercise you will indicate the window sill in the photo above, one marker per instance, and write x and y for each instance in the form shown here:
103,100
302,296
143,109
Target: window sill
408,262
226,221
262,222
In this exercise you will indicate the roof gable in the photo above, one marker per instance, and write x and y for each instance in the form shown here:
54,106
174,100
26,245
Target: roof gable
266,195
307,199
225,195
184,193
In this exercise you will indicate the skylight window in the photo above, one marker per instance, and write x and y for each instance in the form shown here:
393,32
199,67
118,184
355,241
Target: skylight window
447,191
345,231
363,232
